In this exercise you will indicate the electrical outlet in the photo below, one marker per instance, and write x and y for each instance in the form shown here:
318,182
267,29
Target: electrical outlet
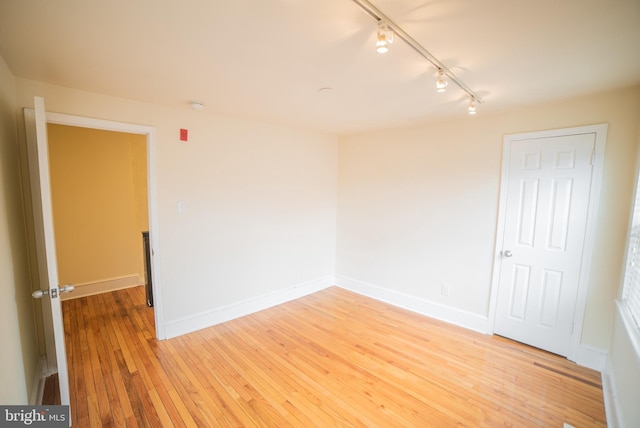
444,290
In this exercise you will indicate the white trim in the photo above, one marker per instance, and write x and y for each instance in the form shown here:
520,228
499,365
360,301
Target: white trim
428,308
630,328
590,233
93,123
154,234
102,286
576,351
590,357
39,378
612,409
497,251
152,190
236,310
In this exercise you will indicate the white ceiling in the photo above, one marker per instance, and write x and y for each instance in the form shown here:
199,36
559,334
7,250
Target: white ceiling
267,59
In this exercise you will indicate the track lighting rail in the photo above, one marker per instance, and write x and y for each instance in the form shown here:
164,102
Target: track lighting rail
376,14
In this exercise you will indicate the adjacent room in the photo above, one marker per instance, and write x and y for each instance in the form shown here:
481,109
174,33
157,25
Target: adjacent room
344,212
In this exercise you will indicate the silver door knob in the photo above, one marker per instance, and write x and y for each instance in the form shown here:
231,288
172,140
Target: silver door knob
507,253
39,293
64,289
67,288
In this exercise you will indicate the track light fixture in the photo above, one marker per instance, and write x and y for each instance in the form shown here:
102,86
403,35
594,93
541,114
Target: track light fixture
472,105
385,37
388,29
441,82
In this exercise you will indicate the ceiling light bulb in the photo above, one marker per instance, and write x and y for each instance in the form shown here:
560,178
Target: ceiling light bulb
381,44
384,37
472,105
441,83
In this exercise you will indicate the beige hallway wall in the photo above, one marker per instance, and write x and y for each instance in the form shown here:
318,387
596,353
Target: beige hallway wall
99,191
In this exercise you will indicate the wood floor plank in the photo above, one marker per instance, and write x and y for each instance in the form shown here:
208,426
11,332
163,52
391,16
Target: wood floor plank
287,375
353,380
100,382
330,359
185,416
51,394
216,386
208,406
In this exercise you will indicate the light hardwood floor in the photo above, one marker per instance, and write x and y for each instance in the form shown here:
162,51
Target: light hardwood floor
332,359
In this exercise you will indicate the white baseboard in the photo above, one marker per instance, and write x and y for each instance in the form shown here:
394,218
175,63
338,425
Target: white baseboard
593,358
226,313
39,379
428,308
102,286
611,406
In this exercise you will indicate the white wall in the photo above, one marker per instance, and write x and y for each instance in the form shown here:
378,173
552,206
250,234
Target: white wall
260,200
625,371
418,206
18,350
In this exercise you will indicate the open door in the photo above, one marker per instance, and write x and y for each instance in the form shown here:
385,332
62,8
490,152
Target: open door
38,153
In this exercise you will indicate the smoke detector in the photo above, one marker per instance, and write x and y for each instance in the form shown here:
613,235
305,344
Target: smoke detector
196,105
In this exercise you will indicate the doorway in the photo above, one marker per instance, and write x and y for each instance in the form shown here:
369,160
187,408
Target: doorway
548,202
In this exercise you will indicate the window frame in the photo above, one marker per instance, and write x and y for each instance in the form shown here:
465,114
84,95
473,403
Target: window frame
629,310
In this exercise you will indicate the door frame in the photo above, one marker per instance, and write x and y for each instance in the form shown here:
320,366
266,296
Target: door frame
578,354
152,193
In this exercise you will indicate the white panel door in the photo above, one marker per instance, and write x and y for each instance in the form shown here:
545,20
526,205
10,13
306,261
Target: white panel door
38,153
548,190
